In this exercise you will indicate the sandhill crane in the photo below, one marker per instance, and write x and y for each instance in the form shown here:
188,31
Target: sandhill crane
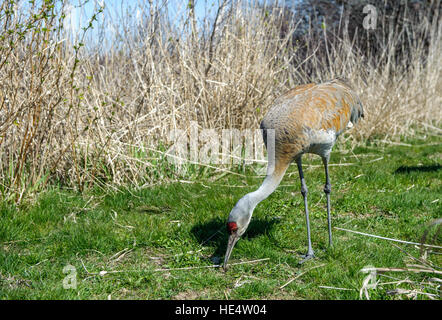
306,119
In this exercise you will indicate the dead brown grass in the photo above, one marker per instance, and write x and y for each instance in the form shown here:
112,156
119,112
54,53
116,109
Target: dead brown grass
92,116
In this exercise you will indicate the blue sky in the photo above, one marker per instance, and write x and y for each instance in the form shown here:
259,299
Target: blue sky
114,8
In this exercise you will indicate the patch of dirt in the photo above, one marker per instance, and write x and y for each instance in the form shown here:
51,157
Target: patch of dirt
14,282
158,259
282,295
192,295
355,215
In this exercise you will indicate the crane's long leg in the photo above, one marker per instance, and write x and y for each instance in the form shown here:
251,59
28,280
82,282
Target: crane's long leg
327,190
310,254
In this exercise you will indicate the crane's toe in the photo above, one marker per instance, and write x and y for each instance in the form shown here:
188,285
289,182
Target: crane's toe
307,257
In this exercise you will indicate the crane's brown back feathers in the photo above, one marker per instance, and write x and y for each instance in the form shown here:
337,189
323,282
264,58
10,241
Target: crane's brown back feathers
325,107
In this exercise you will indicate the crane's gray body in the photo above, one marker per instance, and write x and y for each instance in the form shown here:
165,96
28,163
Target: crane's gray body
306,119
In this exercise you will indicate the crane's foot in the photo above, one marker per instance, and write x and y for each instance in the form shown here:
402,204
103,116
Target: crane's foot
307,257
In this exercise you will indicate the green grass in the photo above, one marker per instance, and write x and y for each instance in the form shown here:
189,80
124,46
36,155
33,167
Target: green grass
391,191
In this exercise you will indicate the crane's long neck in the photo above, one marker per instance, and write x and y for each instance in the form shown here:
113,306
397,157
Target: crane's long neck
269,185
243,210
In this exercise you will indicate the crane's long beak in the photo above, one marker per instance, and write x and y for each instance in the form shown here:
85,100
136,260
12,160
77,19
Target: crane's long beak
233,238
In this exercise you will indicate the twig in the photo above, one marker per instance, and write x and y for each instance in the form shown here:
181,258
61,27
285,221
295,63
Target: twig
390,239
374,160
212,266
39,263
404,270
411,293
299,275
119,255
195,162
394,143
21,240
397,282
217,231
101,273
430,126
413,257
336,288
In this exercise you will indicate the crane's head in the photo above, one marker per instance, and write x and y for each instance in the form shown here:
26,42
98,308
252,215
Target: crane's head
239,219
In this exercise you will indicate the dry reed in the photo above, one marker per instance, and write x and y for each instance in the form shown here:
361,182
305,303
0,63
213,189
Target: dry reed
85,112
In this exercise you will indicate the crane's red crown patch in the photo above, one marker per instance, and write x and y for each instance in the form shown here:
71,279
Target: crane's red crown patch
232,227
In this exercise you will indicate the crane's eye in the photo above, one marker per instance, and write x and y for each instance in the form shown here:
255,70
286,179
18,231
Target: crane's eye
231,227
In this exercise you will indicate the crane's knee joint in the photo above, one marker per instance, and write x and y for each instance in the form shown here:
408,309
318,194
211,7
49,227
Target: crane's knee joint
327,188
304,190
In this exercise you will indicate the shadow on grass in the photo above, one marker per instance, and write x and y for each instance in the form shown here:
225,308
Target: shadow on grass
408,169
214,233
